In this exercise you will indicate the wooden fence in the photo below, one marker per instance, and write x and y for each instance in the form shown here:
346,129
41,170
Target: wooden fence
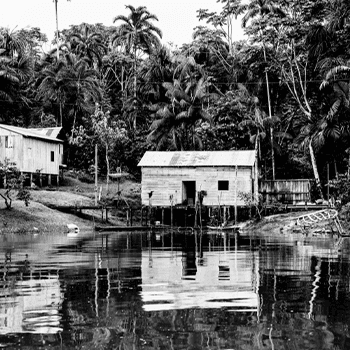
285,191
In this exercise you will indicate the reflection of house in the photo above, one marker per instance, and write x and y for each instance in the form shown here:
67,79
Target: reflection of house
222,279
180,176
33,150
31,307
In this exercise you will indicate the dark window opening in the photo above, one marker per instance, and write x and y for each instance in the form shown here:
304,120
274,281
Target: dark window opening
6,142
223,185
52,156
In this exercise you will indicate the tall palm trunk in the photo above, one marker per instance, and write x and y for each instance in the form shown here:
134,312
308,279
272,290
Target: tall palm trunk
314,167
57,53
135,79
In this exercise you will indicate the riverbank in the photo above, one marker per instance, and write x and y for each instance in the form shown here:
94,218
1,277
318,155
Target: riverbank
38,217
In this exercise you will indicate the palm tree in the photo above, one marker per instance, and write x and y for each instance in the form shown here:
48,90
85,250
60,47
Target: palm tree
260,8
86,42
70,79
177,121
255,119
137,33
83,89
16,67
53,86
156,69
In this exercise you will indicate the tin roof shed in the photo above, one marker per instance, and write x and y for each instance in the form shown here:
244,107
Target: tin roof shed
197,158
48,134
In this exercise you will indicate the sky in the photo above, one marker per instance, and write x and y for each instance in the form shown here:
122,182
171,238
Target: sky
176,18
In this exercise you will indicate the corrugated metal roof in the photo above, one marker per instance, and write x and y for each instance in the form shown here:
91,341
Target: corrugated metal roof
51,132
198,158
34,133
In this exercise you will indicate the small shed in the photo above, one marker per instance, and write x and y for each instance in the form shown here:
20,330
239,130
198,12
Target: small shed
35,151
176,178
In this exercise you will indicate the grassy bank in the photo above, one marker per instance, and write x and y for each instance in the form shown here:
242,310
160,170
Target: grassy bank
38,217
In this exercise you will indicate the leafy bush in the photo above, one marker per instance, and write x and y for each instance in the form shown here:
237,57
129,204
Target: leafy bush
87,178
13,180
339,190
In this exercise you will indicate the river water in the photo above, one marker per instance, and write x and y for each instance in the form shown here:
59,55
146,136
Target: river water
174,290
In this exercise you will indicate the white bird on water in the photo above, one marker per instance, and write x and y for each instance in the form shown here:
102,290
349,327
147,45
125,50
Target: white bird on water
73,228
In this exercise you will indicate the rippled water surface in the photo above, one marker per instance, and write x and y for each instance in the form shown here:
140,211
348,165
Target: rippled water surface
174,290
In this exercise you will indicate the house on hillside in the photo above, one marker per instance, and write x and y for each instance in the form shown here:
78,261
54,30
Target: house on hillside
35,151
176,178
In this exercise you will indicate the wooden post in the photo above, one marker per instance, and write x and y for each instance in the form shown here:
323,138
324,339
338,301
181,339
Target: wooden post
328,183
236,190
106,214
49,179
58,180
171,216
41,180
127,217
162,216
141,216
131,212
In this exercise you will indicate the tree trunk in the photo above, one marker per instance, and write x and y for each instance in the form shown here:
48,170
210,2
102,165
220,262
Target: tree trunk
270,116
256,175
60,118
57,53
107,165
314,167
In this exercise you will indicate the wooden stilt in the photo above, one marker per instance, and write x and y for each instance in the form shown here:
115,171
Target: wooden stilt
236,194
171,216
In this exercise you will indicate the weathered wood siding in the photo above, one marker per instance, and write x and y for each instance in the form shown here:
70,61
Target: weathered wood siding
285,191
167,181
30,154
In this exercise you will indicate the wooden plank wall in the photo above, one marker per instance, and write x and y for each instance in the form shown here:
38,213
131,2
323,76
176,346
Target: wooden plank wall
285,191
168,181
31,154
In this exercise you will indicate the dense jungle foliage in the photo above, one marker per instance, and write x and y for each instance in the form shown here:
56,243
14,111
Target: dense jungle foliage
283,91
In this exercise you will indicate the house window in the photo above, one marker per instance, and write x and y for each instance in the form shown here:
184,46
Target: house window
8,142
52,156
223,185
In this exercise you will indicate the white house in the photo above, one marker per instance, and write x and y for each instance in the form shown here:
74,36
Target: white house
33,150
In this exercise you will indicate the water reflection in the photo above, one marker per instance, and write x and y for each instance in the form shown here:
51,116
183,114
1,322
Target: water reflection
174,290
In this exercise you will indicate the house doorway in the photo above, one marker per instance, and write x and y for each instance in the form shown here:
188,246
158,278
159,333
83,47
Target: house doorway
188,192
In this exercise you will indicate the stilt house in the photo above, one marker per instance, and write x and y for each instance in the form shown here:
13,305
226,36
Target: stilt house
176,178
35,151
